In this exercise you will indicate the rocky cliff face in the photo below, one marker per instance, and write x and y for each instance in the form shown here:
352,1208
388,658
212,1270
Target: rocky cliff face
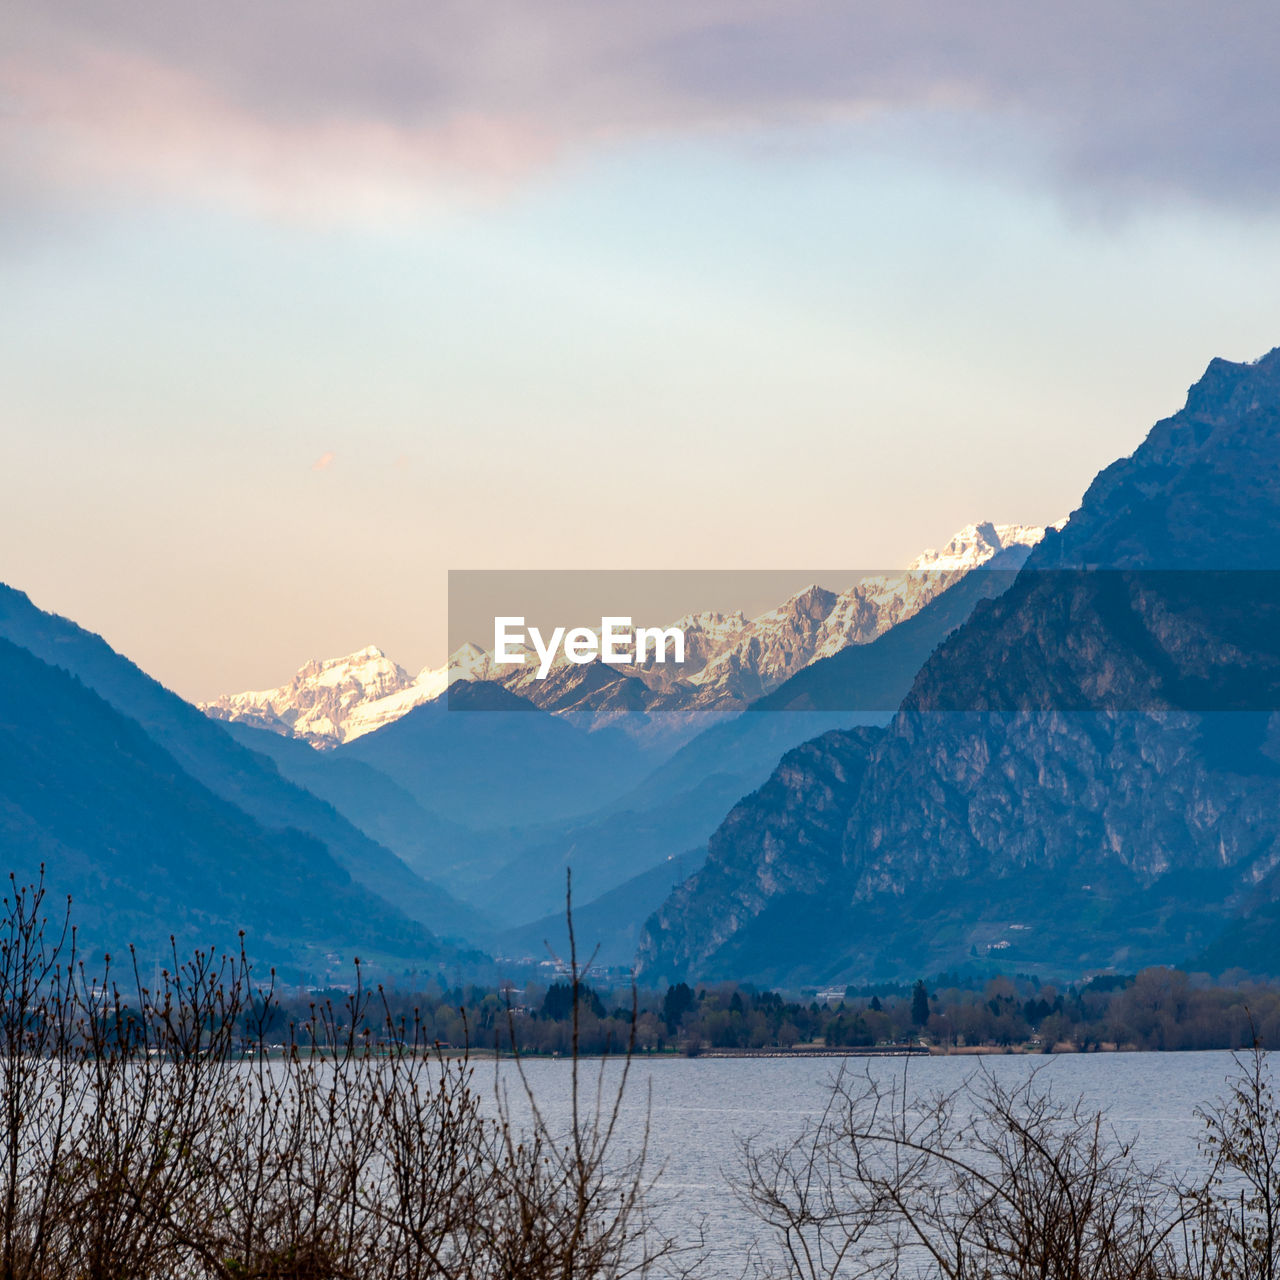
782,841
1084,774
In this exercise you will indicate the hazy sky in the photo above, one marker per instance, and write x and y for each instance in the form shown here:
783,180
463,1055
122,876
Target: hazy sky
303,304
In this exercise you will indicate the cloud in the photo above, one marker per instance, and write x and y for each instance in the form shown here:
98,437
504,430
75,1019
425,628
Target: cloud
323,462
349,109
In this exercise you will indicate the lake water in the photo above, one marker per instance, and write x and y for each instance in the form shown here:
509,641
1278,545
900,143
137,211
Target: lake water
699,1108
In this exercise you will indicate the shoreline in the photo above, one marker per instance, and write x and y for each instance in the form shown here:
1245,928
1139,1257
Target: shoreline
821,1051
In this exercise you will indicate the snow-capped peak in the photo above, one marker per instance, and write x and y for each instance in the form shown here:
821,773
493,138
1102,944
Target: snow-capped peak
325,699
468,662
975,544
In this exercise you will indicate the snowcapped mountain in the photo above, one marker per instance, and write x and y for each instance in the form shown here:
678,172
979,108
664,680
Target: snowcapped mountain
336,700
730,659
468,662
333,700
975,544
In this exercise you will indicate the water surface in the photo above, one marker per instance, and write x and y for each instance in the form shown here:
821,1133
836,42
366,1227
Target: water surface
698,1110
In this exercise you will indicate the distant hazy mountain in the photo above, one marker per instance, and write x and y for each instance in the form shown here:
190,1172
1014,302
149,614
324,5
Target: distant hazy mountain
1085,774
608,925
731,660
438,850
146,851
484,757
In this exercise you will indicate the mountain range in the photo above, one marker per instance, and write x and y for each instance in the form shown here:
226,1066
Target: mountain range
731,660
1056,751
422,825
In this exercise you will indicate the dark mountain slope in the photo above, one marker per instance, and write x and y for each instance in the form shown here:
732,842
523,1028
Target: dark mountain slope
779,844
146,851
1198,493
204,750
1084,773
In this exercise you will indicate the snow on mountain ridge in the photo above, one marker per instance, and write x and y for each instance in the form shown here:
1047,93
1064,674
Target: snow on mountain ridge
816,623
729,659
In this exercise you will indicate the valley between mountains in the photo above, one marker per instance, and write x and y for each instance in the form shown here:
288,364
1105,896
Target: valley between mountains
1051,751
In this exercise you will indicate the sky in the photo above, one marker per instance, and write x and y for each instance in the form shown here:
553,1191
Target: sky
304,304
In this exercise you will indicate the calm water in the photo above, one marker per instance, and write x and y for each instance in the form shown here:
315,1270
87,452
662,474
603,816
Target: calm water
701,1107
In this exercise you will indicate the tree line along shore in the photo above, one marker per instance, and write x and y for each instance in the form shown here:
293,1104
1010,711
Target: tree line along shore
1155,1009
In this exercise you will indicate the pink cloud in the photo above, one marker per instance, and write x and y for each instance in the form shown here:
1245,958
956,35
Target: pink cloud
332,111
323,462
